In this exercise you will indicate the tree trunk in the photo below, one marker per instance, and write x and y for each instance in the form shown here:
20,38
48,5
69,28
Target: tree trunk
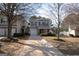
58,36
9,29
58,32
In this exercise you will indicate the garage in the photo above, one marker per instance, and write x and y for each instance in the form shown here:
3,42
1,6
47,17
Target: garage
33,31
3,31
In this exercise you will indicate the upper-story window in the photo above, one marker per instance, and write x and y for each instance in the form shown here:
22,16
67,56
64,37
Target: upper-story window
44,23
35,24
47,23
39,23
3,20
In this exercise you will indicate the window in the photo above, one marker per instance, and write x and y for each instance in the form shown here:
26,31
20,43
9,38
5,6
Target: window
47,23
28,23
39,23
2,20
44,23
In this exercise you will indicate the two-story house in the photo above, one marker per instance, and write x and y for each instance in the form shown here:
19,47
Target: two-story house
16,27
39,25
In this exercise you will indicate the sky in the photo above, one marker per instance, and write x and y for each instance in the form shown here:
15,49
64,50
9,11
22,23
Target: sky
49,10
45,11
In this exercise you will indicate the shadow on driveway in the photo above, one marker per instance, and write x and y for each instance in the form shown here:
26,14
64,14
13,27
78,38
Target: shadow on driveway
45,51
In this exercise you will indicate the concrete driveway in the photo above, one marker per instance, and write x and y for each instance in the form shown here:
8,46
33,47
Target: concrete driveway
33,46
38,47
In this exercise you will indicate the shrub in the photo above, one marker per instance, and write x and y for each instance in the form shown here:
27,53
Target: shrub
17,34
62,35
48,34
14,40
27,33
71,35
51,34
43,34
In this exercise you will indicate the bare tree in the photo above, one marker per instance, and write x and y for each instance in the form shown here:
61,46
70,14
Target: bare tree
72,15
10,10
70,20
55,14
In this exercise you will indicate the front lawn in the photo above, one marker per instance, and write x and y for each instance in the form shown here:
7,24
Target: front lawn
70,46
12,48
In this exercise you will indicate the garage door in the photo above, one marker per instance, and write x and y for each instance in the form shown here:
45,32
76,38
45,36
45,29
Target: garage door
33,31
3,31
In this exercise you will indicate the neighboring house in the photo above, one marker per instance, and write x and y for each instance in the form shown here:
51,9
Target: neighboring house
16,27
72,31
71,23
39,25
